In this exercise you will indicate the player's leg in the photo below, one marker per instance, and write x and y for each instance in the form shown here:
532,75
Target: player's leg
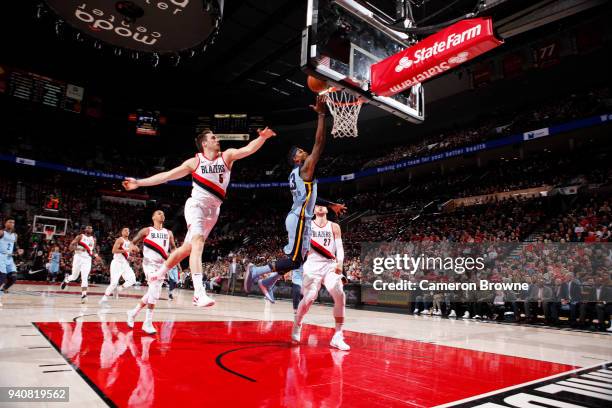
2,275
129,277
76,270
115,274
311,283
11,269
295,227
150,299
201,219
333,284
296,288
150,271
85,269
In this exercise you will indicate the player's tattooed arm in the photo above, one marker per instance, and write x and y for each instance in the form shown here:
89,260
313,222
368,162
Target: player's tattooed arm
117,246
308,168
231,155
74,242
181,171
139,237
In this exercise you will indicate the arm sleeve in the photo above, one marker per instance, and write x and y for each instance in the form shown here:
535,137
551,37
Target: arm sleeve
339,251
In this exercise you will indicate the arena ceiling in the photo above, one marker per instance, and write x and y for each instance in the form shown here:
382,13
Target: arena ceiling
253,66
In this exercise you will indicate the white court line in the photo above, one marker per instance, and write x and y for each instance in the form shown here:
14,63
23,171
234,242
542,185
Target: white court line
513,387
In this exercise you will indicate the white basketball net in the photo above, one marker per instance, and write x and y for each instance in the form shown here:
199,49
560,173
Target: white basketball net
345,108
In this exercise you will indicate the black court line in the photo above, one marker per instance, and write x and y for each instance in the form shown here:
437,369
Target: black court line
52,365
55,371
229,370
39,347
29,335
98,391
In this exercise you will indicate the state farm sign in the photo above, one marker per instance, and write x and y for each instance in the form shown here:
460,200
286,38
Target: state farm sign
437,53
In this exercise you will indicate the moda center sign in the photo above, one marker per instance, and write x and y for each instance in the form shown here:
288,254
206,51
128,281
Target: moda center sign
433,55
160,26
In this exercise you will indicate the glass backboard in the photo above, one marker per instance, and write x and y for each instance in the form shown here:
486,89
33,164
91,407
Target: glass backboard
341,41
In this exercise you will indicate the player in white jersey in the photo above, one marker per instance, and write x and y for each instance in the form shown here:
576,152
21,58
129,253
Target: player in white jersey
84,248
210,170
323,266
120,265
157,244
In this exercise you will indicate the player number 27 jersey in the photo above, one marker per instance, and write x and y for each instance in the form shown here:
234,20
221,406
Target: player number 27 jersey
322,244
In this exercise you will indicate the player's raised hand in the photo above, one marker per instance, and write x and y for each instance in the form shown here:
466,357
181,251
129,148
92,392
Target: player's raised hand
319,106
130,183
339,209
266,133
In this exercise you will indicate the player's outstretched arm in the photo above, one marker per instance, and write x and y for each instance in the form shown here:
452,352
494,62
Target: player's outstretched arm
139,237
231,155
337,208
308,168
160,178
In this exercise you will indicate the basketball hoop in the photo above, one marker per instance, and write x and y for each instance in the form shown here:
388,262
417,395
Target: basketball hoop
345,108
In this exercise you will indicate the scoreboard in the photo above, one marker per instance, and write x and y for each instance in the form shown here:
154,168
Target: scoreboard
230,126
40,89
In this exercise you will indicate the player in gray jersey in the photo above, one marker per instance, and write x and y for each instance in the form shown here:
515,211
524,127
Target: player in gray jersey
303,188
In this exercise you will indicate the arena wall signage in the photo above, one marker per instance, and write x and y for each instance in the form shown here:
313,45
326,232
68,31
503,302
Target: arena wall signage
433,55
492,144
147,26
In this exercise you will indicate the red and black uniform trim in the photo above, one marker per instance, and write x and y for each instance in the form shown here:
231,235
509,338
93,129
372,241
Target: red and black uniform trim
85,247
154,247
320,250
208,186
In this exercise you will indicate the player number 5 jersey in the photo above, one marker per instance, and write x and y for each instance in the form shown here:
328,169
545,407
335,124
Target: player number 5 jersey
322,243
156,245
211,177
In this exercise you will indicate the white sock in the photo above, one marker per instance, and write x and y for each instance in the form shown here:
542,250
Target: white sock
137,309
339,327
197,283
149,315
83,293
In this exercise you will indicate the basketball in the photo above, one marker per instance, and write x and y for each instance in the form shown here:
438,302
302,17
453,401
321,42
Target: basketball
316,85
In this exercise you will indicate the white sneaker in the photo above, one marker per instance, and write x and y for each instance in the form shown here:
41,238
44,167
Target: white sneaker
609,329
0,304
476,317
147,327
202,299
130,319
466,315
338,342
296,333
416,311
437,313
426,312
84,299
452,314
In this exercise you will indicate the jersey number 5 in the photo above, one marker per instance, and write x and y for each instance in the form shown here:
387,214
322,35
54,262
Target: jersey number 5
221,178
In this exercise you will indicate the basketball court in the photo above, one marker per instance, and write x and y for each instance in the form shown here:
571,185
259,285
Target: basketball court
173,72
241,351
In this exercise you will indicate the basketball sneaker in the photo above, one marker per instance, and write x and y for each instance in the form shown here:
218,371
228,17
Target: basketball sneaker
63,285
170,296
296,333
201,299
338,342
416,311
84,299
452,313
248,278
130,319
466,315
267,291
147,327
